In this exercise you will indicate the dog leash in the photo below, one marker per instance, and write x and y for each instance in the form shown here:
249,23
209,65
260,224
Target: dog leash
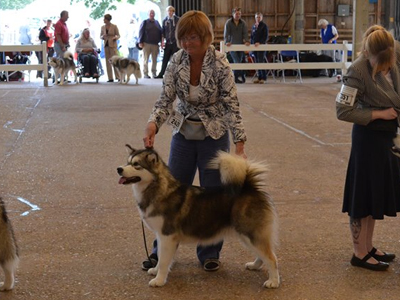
145,246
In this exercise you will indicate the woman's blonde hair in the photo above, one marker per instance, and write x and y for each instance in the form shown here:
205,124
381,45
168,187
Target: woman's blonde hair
83,31
378,44
197,22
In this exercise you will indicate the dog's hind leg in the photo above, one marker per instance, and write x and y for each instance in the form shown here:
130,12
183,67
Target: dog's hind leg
9,268
127,79
263,248
76,77
167,247
62,76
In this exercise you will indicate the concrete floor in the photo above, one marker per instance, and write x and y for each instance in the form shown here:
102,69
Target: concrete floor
79,231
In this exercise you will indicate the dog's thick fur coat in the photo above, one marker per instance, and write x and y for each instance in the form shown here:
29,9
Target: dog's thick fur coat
8,250
125,67
62,66
178,213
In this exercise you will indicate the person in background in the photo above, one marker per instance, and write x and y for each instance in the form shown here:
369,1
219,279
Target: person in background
87,54
168,41
149,37
201,79
61,34
132,34
329,35
46,34
235,32
259,35
110,35
369,99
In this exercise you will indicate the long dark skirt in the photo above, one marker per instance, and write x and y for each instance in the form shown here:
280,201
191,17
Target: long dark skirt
373,176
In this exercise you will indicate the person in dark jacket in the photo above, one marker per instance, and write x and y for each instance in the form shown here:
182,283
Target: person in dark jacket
46,34
235,32
259,35
168,33
150,33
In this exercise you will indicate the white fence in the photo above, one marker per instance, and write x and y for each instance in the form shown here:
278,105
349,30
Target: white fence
27,67
342,48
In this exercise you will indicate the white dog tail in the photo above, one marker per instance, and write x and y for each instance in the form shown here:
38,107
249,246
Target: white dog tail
236,170
68,55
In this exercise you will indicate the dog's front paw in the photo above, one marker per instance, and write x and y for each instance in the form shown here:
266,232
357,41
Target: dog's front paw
271,283
157,282
4,288
152,271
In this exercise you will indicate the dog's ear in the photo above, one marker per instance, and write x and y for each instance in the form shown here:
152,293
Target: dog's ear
130,149
152,158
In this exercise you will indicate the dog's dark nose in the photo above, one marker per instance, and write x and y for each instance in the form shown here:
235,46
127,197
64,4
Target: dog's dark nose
120,170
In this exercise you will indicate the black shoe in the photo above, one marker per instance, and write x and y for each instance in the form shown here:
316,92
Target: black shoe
111,80
237,80
362,263
211,265
147,76
386,257
159,77
147,264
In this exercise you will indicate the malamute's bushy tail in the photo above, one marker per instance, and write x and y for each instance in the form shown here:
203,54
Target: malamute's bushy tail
68,55
236,170
241,175
8,249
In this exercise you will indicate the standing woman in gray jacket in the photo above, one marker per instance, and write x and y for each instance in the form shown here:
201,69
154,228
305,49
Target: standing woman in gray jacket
370,99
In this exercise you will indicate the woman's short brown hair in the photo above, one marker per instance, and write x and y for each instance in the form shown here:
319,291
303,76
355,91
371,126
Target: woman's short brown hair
108,17
195,21
378,44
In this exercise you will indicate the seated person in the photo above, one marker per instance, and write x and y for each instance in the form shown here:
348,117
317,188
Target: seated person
87,54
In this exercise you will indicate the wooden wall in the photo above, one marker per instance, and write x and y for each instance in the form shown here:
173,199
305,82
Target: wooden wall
277,12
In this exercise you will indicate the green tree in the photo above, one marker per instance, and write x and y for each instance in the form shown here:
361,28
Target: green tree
14,4
99,7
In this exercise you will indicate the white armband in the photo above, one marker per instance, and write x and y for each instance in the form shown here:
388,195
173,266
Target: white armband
347,95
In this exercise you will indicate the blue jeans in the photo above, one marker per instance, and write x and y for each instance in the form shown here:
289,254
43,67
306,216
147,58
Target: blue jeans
186,156
237,57
259,57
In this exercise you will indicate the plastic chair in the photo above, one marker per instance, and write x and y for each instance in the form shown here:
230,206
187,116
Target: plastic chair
283,55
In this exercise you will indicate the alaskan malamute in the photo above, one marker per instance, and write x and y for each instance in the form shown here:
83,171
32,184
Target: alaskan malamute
63,65
8,250
125,67
178,213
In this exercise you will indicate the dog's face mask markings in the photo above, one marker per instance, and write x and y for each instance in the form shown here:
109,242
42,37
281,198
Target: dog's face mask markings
129,172
138,166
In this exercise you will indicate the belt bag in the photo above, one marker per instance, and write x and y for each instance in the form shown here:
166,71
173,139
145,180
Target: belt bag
193,130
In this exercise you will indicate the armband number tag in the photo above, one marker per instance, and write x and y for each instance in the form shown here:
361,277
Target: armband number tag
346,96
176,120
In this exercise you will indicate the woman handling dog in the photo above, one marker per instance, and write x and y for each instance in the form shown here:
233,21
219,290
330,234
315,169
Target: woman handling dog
87,54
200,77
370,99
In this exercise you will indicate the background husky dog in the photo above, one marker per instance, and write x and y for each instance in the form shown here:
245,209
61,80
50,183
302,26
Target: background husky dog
179,213
63,65
125,67
8,250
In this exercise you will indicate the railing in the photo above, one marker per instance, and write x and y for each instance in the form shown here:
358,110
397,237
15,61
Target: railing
343,64
27,67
